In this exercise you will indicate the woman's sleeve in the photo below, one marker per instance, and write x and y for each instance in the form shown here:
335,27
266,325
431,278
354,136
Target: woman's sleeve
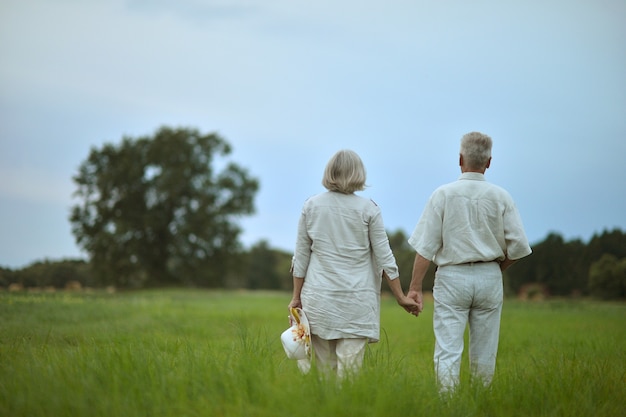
383,256
302,254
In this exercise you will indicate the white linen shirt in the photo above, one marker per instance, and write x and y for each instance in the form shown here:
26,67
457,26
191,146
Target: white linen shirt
341,251
470,220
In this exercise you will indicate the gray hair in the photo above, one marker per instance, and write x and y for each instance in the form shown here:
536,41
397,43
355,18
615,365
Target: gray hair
344,173
476,149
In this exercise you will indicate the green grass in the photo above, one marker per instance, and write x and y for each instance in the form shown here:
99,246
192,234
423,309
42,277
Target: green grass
215,353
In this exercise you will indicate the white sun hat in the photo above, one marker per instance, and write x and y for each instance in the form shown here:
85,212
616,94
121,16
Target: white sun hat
297,338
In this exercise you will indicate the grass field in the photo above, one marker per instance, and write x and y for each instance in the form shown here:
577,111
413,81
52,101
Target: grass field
212,353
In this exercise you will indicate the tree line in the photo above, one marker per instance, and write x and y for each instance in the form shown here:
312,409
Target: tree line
162,210
555,268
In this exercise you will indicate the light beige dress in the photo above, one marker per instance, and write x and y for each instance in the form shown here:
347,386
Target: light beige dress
342,249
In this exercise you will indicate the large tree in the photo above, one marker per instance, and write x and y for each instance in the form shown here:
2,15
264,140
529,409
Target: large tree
156,211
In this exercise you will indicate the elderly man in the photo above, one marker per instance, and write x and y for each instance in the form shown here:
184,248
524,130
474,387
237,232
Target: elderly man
472,231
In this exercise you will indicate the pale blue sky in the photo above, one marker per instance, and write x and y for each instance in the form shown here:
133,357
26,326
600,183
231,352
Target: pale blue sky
288,83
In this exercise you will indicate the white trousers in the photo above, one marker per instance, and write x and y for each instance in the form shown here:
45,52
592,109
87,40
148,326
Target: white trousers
470,293
343,356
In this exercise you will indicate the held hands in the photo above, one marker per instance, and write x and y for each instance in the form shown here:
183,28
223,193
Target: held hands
410,305
416,297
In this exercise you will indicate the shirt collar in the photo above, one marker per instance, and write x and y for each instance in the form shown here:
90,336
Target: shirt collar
476,176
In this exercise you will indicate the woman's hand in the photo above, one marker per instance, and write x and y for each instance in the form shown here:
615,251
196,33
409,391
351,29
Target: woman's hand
409,305
295,303
298,283
416,296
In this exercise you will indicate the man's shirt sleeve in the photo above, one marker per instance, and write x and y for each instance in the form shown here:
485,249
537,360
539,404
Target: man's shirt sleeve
426,239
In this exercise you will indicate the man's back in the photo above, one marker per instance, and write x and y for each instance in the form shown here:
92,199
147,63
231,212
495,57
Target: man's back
470,220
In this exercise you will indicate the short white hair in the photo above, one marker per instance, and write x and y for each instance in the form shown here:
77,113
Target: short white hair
476,149
344,173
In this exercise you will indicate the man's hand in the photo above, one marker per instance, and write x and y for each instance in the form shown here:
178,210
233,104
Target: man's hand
416,296
409,305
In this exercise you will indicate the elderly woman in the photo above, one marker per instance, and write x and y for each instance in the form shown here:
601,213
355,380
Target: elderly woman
342,253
